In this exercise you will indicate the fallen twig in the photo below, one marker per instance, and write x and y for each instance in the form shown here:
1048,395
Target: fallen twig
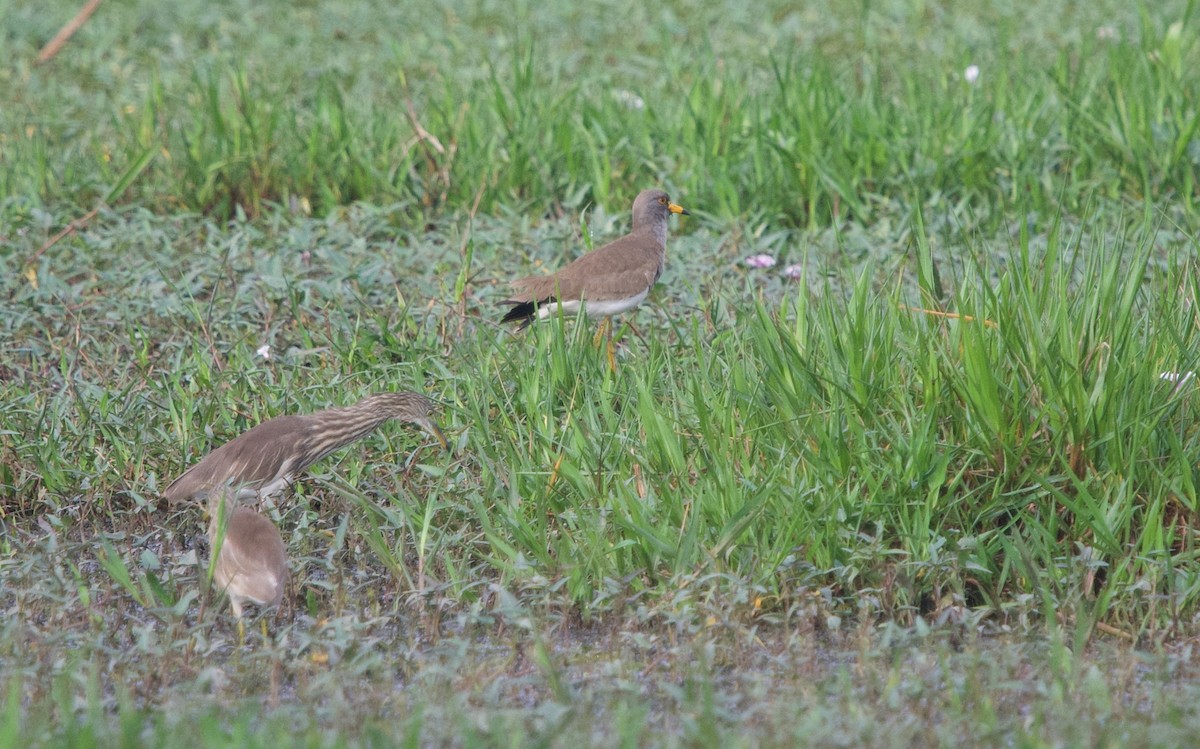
69,28
75,225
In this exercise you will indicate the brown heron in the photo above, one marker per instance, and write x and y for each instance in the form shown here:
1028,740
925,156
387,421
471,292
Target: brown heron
251,560
267,458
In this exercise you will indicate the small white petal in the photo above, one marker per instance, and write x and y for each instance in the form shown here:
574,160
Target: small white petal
971,74
1180,379
760,261
630,99
264,351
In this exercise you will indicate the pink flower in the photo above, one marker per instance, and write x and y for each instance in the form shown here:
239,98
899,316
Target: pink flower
793,271
760,261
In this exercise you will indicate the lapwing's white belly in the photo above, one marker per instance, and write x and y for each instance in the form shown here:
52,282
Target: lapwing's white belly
597,307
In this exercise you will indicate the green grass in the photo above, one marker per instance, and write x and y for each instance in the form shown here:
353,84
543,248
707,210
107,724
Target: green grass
795,498
769,114
526,692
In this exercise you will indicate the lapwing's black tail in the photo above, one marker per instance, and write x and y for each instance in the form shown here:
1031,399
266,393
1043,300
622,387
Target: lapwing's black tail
523,311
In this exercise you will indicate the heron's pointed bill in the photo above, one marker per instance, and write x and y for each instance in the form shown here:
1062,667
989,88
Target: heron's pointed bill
432,427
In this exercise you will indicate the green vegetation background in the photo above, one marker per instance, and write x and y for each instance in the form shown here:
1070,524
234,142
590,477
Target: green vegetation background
942,405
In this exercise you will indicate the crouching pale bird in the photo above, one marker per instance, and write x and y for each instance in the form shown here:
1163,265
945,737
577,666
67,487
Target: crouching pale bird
267,458
610,280
251,561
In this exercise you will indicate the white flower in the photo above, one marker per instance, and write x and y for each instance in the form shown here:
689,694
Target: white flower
971,74
630,99
760,261
264,351
793,271
1179,378
1108,33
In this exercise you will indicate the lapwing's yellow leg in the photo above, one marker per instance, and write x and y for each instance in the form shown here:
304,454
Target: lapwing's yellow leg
612,349
600,332
605,331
